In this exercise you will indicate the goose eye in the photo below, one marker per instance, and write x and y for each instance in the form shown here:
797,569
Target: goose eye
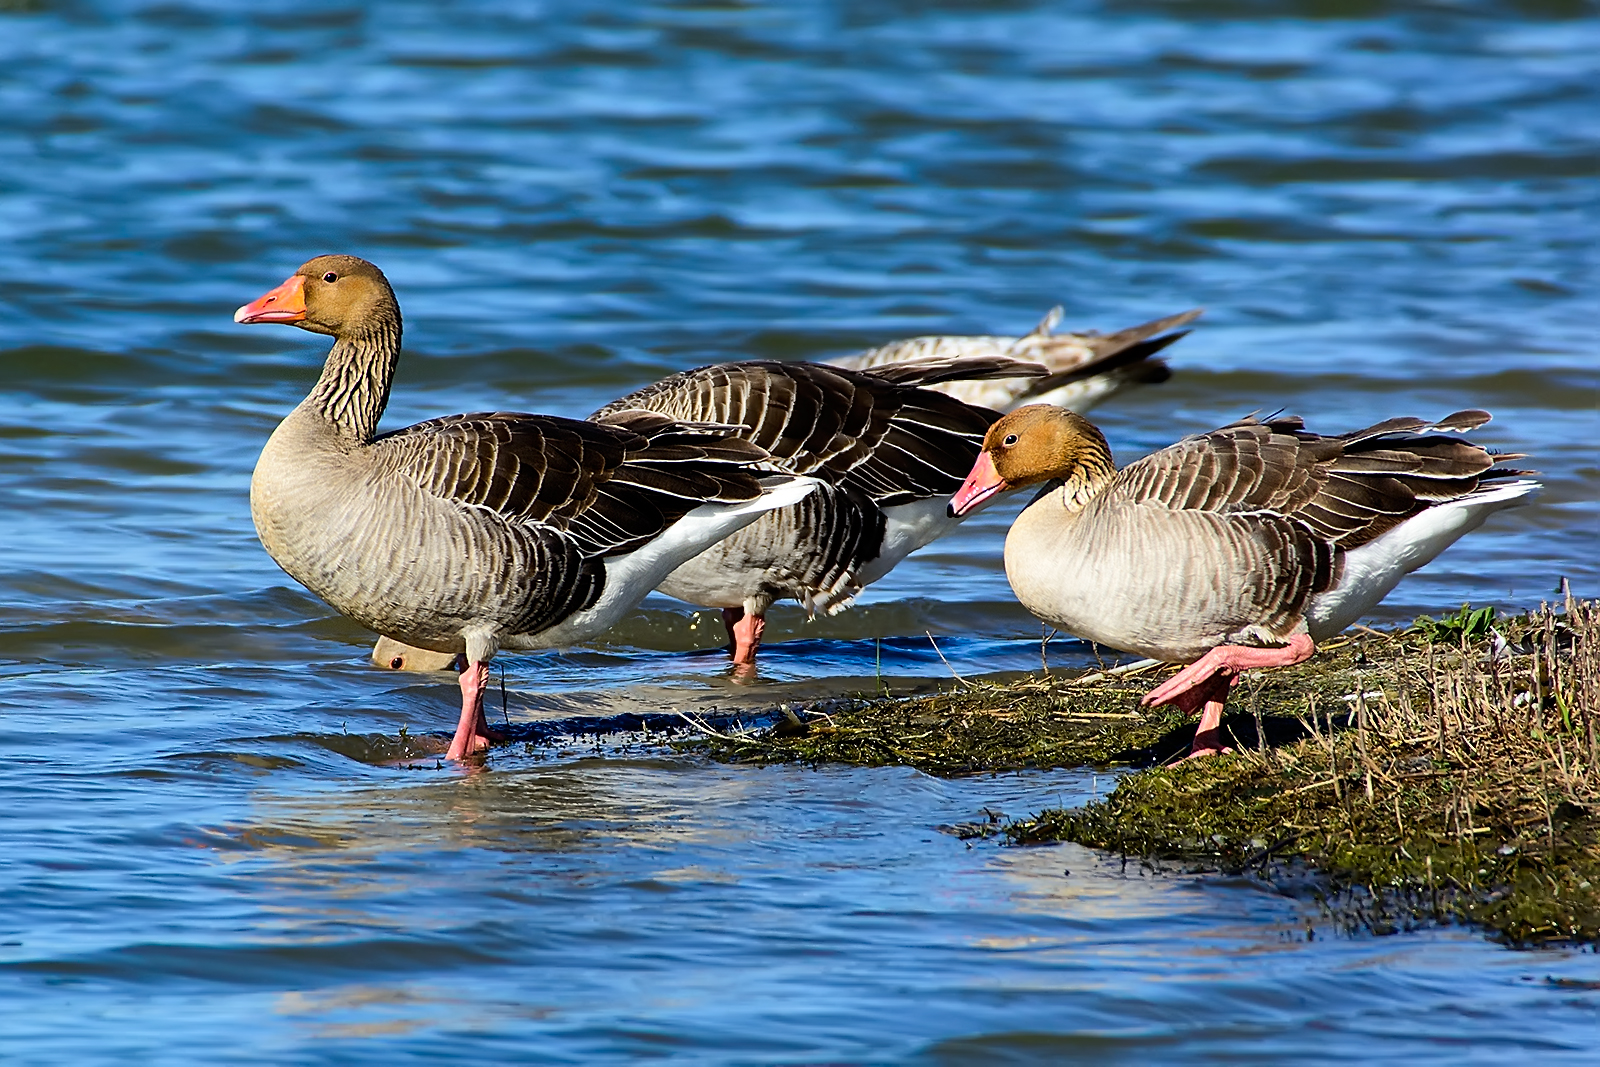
330,277
1011,439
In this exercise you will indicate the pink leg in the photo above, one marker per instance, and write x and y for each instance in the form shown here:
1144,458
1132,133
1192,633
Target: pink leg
1211,697
472,732
1204,684
744,634
1232,659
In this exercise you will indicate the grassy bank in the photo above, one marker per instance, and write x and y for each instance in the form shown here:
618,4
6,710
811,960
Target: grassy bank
1450,772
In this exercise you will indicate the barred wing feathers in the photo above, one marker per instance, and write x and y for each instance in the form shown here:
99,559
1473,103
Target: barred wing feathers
876,433
1283,505
607,487
1348,489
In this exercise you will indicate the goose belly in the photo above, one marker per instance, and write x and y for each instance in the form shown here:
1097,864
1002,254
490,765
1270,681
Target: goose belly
402,563
756,561
1167,585
813,551
630,576
907,527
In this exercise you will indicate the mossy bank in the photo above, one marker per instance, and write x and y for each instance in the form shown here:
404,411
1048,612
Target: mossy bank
1448,772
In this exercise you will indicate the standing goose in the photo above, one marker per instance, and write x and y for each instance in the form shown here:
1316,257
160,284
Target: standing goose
471,533
886,452
1084,368
1237,548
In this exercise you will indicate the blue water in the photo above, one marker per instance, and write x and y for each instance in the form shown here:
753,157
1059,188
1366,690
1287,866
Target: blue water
210,854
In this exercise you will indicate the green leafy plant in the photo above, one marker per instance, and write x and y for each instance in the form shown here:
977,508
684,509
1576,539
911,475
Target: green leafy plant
1465,625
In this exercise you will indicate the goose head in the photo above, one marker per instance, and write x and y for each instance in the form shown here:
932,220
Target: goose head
340,296
395,656
1033,444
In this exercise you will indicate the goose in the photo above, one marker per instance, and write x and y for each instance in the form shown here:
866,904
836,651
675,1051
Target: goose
886,479
1238,548
1085,368
471,533
886,451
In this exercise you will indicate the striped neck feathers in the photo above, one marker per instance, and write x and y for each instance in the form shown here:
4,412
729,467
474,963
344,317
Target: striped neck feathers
350,300
354,388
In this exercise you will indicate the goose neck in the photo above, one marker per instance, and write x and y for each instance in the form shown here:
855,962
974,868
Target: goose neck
354,388
1085,483
1088,469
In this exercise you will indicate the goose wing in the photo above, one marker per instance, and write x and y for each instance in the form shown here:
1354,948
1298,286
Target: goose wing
877,433
1082,368
1347,489
606,487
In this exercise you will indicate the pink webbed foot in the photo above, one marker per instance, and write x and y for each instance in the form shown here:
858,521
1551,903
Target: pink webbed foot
1209,698
1229,659
1203,685
472,731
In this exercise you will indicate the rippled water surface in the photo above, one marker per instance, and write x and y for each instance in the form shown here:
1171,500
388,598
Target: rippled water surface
210,853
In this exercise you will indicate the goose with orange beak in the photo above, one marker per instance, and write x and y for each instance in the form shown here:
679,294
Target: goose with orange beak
1234,549
467,534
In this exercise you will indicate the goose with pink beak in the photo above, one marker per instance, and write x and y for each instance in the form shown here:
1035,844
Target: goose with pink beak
1234,549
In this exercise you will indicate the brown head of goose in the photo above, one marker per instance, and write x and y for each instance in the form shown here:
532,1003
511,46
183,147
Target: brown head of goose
1232,549
471,533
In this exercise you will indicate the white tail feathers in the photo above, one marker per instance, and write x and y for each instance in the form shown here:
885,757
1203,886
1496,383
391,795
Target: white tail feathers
1372,571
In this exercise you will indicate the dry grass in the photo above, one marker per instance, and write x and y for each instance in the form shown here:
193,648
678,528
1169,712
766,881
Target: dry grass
1456,781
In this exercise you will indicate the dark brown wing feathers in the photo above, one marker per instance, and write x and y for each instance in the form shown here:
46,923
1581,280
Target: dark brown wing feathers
1153,370
871,431
931,370
609,487
1348,490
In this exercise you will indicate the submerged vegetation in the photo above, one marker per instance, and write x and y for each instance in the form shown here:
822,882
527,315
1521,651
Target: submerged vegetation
1446,772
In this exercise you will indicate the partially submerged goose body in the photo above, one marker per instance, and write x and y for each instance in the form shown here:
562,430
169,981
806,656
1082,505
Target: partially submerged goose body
471,533
1083,369
1237,548
397,656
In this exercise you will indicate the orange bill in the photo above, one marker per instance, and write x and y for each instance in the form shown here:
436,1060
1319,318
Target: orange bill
286,303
